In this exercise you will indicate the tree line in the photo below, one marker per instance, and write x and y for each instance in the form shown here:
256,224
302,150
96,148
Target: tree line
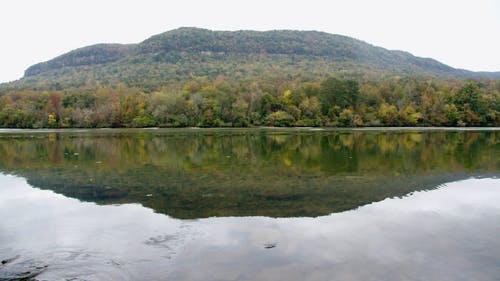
218,102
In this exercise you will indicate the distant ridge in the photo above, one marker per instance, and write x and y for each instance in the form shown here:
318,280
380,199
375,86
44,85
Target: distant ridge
189,51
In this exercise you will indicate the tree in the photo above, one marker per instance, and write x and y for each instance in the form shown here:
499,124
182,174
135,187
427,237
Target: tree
269,104
346,118
468,94
54,108
410,116
280,119
343,93
240,111
453,116
310,107
388,114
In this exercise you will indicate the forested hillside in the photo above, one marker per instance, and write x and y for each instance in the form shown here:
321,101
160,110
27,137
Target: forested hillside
185,52
198,77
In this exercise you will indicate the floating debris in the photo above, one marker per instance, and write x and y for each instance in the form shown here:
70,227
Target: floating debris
270,245
162,241
9,260
13,269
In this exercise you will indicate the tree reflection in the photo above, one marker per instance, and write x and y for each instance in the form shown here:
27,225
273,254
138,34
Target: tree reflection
247,172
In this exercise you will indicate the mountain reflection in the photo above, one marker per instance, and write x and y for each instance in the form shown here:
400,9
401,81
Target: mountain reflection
279,173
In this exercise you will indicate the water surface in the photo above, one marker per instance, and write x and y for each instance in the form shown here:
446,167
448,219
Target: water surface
251,204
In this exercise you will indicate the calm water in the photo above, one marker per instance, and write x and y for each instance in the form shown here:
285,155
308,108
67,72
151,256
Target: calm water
197,204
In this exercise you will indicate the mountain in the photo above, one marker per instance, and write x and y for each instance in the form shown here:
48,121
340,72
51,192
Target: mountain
184,53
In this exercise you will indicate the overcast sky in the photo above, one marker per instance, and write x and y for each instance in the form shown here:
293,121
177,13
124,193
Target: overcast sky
463,34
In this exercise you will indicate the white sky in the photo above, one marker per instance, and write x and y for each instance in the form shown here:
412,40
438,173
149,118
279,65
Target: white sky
463,34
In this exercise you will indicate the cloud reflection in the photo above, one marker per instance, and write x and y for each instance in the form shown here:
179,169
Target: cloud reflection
445,234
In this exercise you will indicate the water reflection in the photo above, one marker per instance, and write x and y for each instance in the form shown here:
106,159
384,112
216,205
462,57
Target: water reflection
446,234
284,173
449,233
81,241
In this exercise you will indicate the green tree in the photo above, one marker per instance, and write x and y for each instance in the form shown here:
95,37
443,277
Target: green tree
468,94
335,91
